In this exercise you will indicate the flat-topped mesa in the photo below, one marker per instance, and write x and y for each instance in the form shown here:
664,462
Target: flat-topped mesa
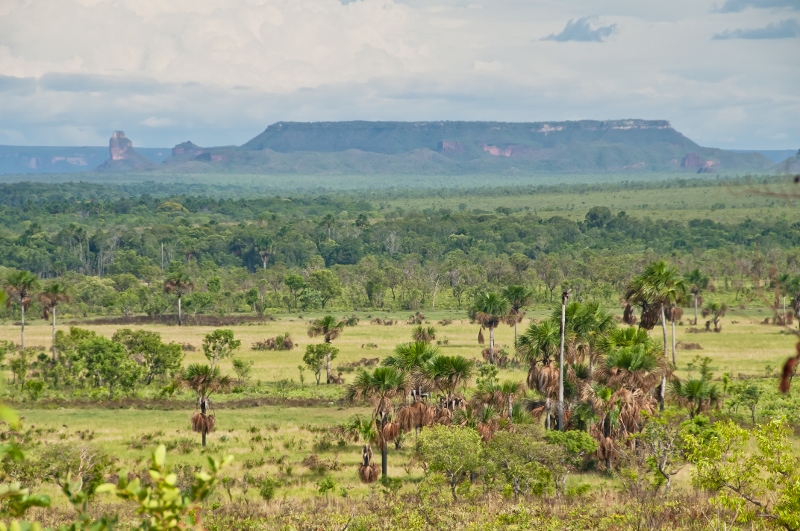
120,147
462,139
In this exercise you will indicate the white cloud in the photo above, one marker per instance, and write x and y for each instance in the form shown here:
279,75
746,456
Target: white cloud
219,71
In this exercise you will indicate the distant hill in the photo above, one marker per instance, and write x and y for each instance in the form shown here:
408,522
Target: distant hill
388,148
59,159
468,147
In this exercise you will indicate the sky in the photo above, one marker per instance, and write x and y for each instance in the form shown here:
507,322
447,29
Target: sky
726,73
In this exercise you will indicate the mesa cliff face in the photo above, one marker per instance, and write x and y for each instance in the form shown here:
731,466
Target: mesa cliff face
581,146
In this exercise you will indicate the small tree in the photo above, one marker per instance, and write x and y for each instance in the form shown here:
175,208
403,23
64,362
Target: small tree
243,370
316,356
329,328
108,364
518,458
755,484
661,441
219,345
157,358
452,451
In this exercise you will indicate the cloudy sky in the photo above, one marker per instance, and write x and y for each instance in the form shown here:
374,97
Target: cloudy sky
725,72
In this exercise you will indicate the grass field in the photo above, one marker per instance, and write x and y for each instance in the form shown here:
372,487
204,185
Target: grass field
274,440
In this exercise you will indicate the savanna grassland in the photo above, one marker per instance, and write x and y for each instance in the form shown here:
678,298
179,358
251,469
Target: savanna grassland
482,450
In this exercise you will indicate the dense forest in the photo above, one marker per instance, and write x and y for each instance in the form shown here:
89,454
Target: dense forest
115,245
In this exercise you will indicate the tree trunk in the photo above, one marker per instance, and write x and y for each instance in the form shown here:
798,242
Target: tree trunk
55,354
515,333
384,458
673,344
203,411
510,408
561,368
180,320
695,309
328,367
491,345
664,377
23,325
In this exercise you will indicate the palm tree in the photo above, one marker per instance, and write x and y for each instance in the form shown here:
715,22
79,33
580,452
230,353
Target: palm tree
489,310
447,373
518,298
329,328
204,381
180,284
658,286
697,394
698,281
715,310
361,428
20,286
564,298
50,298
410,358
586,325
380,387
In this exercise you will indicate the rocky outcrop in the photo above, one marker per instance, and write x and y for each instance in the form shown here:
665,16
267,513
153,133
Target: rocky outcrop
119,147
123,157
187,148
691,161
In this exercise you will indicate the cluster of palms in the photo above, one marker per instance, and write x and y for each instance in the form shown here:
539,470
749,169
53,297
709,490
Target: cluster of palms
490,310
20,287
603,378
416,370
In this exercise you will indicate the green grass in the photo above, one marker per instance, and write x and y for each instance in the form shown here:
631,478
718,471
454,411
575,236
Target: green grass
287,434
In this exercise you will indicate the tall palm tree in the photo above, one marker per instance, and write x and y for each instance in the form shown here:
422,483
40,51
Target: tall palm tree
204,381
658,286
20,286
586,325
539,346
564,298
51,297
379,387
489,310
180,284
698,281
518,297
329,328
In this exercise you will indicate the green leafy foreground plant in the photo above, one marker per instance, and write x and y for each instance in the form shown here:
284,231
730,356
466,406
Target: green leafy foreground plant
162,506
752,484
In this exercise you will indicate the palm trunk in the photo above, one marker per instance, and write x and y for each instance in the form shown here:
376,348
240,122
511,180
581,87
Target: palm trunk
695,309
55,354
491,345
673,344
510,408
561,368
179,311
23,326
203,411
663,390
515,333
